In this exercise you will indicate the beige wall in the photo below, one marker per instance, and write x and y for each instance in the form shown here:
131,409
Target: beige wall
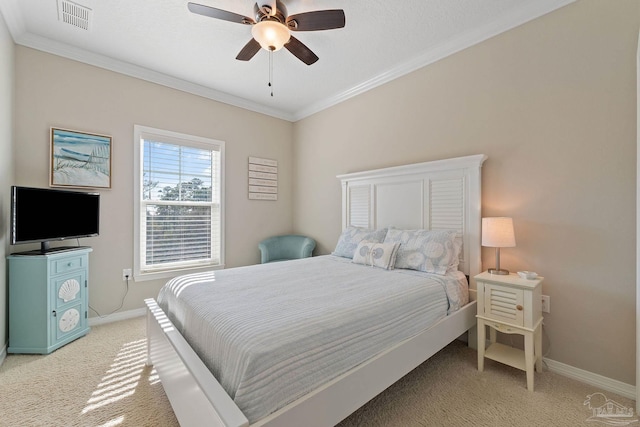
552,103
6,166
53,91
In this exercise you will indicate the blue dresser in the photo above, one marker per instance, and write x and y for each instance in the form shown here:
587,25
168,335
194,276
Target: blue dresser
48,300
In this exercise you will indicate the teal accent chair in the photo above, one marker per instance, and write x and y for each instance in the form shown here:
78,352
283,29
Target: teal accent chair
283,248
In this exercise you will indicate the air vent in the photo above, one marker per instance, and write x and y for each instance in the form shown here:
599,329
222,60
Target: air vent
74,14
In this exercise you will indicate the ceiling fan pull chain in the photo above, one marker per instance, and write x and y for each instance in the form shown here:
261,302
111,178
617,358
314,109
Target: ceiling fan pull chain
271,70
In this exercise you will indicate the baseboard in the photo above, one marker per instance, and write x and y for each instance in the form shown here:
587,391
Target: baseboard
95,321
602,382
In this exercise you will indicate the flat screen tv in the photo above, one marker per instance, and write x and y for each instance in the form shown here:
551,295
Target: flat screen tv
43,215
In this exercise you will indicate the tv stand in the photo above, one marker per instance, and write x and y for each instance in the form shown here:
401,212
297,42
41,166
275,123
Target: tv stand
48,299
37,252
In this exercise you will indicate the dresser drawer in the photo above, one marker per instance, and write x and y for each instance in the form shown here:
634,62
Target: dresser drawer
501,327
67,264
504,304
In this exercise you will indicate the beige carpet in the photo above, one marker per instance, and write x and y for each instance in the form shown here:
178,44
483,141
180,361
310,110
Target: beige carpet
101,380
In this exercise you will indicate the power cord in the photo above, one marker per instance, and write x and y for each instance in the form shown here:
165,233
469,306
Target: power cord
126,292
121,302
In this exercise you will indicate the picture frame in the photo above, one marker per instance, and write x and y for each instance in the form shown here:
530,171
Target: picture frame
80,159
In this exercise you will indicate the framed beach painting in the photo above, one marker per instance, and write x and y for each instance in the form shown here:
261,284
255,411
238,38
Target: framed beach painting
80,159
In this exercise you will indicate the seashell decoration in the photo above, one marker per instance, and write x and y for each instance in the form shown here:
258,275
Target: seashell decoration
69,320
69,290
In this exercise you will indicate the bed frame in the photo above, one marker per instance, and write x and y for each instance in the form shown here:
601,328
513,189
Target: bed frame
431,195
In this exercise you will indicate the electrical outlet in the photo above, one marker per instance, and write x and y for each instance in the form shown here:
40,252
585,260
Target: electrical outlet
546,304
126,274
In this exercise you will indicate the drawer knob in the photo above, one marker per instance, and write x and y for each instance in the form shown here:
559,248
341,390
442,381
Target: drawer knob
69,265
519,307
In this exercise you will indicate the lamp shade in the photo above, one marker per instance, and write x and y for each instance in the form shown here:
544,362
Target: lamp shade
271,35
497,232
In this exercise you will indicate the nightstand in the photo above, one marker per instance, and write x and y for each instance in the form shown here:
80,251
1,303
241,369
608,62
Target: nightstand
510,305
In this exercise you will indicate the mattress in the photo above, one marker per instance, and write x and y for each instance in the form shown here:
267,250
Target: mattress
271,333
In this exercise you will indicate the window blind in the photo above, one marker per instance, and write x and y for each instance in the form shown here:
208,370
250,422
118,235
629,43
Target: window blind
180,204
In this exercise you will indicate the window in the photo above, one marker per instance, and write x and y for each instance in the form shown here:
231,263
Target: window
179,203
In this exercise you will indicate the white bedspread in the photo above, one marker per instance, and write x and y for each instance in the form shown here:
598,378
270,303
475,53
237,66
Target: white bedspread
271,333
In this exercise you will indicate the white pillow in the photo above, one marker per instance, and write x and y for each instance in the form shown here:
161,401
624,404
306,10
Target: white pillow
351,236
431,251
382,255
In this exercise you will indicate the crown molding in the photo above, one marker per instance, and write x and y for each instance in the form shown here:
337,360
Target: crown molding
450,47
17,28
60,49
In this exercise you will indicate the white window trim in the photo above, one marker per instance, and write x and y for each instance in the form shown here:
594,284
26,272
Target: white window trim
180,139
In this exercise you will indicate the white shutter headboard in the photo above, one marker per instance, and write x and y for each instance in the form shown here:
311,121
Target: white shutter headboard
442,194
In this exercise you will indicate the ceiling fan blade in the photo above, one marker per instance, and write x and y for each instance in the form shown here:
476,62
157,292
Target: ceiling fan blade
249,50
302,52
317,20
212,12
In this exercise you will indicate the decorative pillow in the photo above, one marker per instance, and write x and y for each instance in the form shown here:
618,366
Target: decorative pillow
457,244
351,236
382,255
434,251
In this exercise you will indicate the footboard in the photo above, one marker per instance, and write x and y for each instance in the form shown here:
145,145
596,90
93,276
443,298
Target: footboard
196,397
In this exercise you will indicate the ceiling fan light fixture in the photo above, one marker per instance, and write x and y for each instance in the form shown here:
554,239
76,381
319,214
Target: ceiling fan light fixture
272,35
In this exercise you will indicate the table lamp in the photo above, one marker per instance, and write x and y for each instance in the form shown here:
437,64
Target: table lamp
497,232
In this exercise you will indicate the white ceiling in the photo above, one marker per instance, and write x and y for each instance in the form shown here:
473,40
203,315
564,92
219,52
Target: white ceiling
161,41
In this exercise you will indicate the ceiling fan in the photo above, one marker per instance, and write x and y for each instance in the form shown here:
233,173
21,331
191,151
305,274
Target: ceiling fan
271,28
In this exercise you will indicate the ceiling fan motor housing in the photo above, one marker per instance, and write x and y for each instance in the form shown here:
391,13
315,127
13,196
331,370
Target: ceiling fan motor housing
265,12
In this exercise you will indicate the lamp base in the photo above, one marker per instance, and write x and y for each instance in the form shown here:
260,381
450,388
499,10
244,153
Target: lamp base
499,272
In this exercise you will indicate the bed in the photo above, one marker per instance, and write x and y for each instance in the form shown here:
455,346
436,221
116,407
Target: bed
439,195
